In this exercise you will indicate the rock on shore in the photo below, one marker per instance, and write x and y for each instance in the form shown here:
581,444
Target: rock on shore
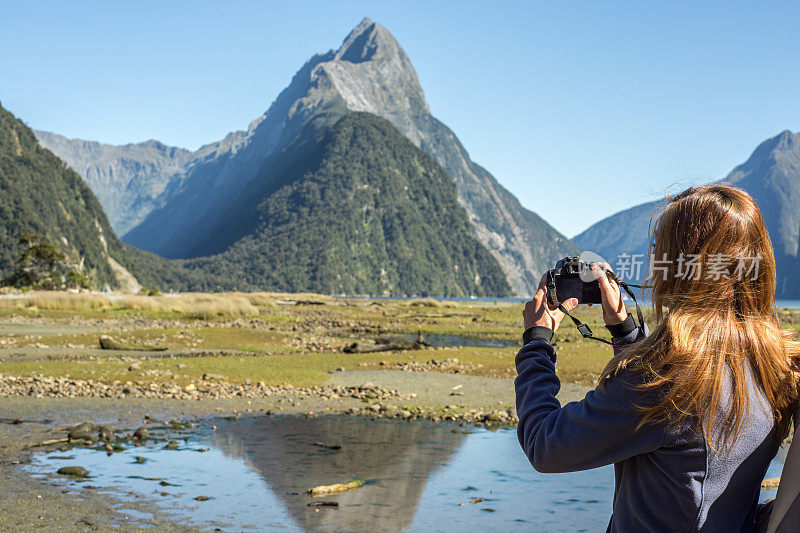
62,387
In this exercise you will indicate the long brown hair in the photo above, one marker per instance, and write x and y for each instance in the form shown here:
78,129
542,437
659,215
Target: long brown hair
715,318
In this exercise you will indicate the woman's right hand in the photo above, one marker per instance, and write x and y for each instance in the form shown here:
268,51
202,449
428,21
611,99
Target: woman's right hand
614,310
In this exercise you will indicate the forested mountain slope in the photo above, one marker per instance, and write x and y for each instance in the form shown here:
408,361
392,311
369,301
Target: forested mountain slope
40,195
355,209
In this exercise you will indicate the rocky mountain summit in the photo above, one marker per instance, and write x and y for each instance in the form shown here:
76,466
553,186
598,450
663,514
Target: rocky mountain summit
369,72
372,73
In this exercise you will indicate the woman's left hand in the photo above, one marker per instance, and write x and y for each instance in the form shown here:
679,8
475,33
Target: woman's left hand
614,310
539,312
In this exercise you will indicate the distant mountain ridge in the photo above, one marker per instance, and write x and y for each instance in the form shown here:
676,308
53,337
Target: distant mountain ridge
371,73
40,195
771,175
129,180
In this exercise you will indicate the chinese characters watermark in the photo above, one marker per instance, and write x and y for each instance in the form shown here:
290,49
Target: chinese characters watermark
717,267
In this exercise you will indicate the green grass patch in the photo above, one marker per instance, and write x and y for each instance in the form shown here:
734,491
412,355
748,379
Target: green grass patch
577,362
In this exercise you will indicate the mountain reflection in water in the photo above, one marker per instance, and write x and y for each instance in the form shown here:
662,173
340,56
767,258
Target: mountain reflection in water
395,459
254,474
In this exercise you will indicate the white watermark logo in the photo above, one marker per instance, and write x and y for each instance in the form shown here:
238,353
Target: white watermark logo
717,267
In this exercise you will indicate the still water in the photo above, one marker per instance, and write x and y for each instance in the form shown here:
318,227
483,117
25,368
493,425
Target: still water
256,473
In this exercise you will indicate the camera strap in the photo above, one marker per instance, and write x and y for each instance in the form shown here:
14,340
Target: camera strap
583,328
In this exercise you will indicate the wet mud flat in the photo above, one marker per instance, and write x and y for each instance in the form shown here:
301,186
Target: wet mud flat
28,504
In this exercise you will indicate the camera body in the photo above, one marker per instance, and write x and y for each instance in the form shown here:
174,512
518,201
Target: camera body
567,280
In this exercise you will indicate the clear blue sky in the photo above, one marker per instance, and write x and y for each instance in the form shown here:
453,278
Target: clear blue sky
579,108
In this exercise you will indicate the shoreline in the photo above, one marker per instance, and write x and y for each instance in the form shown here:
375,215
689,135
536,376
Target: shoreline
31,502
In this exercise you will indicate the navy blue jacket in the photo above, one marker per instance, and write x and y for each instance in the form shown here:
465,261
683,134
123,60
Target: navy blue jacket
667,478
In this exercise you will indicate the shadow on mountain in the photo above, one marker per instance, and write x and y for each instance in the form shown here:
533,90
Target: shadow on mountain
395,459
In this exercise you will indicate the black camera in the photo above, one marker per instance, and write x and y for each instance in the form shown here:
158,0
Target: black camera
566,281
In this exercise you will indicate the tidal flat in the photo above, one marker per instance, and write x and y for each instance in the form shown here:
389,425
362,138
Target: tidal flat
246,356
274,338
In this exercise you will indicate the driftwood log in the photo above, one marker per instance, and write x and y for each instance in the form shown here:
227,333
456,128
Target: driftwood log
334,447
336,488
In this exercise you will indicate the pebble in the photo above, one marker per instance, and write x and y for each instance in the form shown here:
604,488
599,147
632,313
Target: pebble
378,399
64,387
451,365
499,417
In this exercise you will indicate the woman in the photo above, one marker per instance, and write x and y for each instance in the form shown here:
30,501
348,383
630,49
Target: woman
692,414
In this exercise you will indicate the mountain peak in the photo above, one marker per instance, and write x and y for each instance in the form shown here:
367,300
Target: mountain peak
369,40
786,140
768,150
782,141
372,73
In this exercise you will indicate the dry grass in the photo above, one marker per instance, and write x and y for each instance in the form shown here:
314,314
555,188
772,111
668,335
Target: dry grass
428,302
192,305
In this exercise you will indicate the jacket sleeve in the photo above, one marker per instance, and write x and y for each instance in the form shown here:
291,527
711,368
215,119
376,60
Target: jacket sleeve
596,431
626,332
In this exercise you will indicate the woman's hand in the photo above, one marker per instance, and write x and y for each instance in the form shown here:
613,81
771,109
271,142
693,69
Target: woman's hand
539,312
614,310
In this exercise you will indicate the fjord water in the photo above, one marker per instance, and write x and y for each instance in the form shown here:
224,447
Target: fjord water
256,474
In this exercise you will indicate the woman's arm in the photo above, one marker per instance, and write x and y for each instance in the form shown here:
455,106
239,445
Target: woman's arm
598,430
602,428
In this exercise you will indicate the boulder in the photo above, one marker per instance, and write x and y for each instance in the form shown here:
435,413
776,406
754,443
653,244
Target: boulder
82,431
73,471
